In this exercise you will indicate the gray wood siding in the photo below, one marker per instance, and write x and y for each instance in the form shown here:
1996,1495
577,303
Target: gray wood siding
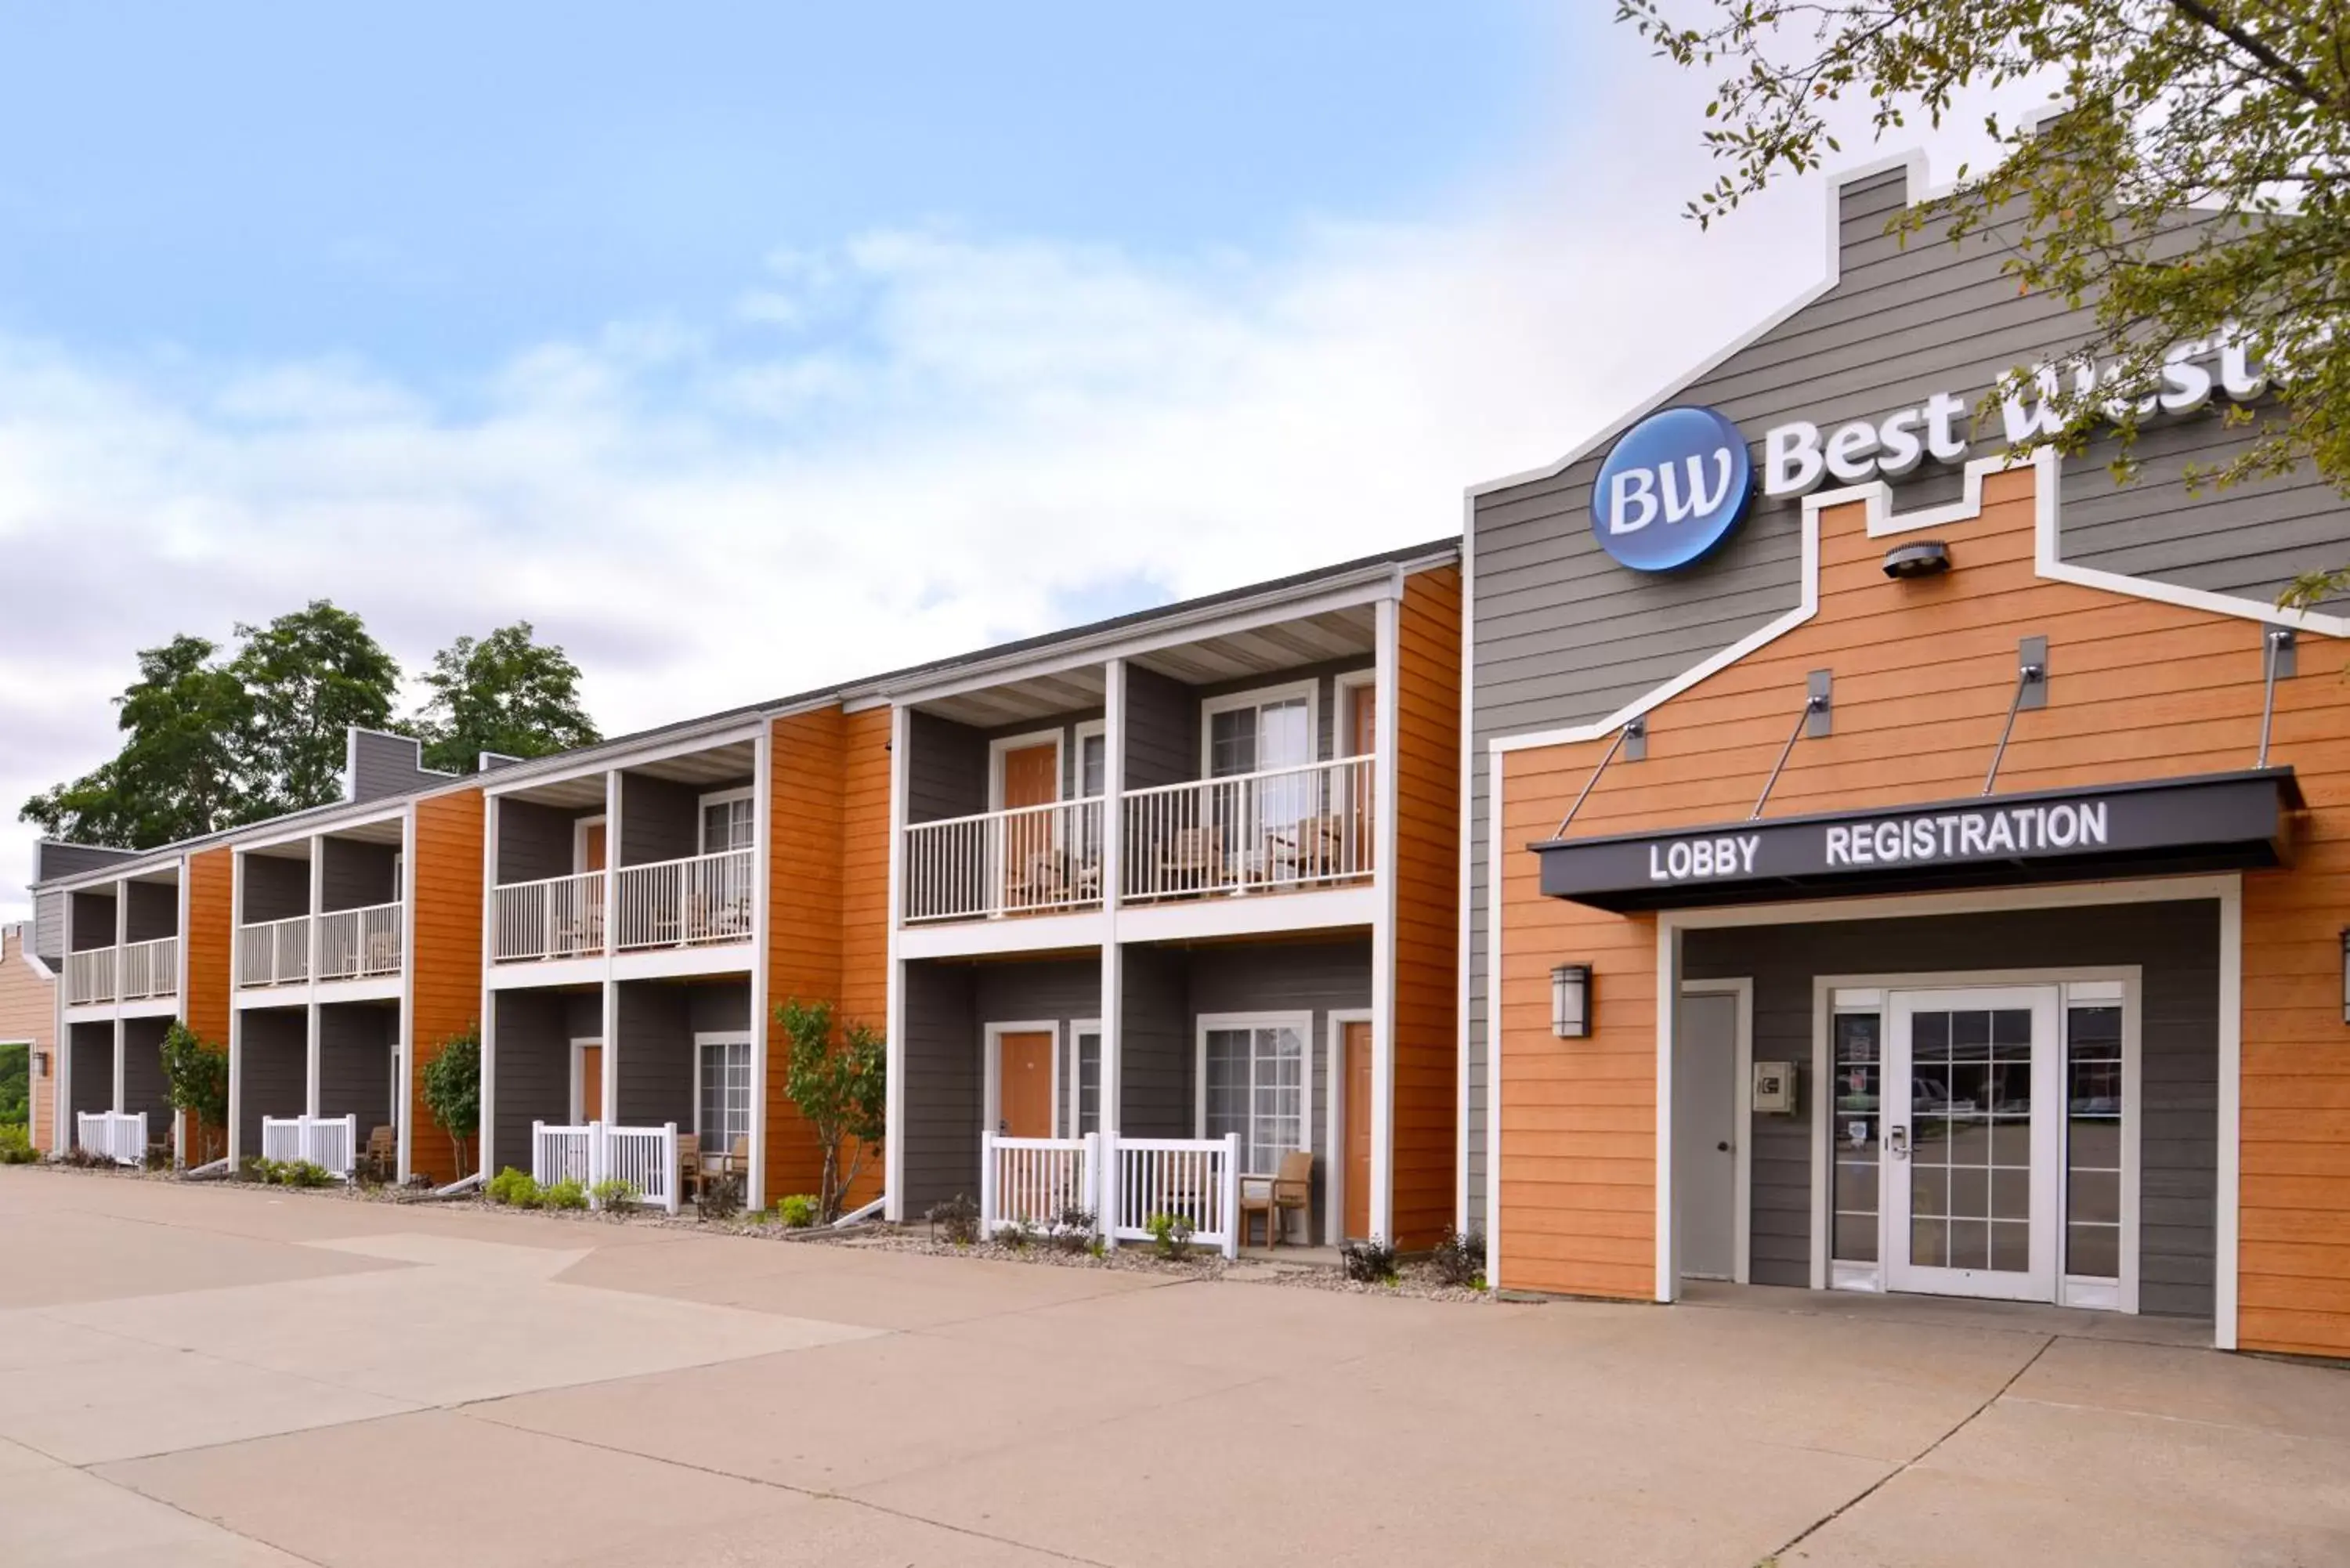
272,888
144,1087
94,920
1155,1051
656,1055
53,861
1163,730
1563,635
658,820
2177,946
944,1089
355,874
92,1046
153,912
386,766
534,1031
273,1069
946,775
49,928
536,842
716,1008
355,1042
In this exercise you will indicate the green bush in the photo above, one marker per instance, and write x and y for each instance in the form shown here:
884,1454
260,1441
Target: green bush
16,1145
515,1189
613,1192
956,1218
1171,1233
797,1211
1371,1262
302,1173
568,1193
720,1197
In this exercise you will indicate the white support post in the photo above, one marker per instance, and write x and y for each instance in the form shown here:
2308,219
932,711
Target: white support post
537,1142
121,940
893,1148
670,1183
986,1185
610,1055
763,791
483,1140
1229,1199
1112,1091
311,1067
122,1098
1383,926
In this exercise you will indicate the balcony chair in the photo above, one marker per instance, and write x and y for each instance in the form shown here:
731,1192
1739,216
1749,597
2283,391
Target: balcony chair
383,952
1193,859
1042,882
382,1158
688,1166
1314,850
1290,1187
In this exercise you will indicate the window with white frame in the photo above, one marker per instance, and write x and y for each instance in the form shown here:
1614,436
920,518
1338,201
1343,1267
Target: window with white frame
1253,1083
1258,730
1085,1082
723,1092
726,822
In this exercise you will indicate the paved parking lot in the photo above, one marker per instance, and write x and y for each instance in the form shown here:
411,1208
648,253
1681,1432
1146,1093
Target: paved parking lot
198,1375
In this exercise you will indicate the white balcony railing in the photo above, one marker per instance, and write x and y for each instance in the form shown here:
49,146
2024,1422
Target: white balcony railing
1035,1181
684,903
1024,860
1121,1181
356,944
117,1135
1280,829
150,968
90,976
644,1157
330,1143
560,917
275,952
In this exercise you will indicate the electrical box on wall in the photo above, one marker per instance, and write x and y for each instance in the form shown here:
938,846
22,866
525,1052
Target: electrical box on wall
1775,1088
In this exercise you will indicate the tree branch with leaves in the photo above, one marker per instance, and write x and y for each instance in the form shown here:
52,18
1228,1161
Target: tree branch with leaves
841,1088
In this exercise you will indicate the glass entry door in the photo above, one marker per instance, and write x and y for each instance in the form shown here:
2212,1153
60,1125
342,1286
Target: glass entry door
1973,1142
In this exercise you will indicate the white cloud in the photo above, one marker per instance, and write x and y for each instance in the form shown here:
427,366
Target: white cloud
917,441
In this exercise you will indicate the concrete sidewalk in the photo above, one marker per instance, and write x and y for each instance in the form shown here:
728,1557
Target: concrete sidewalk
199,1374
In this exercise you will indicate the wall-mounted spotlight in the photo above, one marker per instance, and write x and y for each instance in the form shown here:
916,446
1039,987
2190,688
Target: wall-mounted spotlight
1570,1000
1919,558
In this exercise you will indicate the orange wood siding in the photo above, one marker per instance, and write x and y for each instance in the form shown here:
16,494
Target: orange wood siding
211,947
1428,905
445,957
28,1011
827,932
1924,671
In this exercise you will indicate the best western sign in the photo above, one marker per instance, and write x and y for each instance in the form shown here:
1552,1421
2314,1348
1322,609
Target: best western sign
2213,822
1677,482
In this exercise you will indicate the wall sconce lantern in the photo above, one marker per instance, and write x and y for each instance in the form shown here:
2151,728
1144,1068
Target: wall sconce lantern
40,1063
1570,999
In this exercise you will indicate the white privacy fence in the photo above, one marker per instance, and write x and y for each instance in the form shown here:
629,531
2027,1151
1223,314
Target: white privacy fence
1024,860
683,903
275,952
117,1135
355,944
561,917
644,1157
1300,827
1122,1181
90,976
150,968
330,1143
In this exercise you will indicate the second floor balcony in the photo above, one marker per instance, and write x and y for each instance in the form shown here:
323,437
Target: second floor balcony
133,972
701,900
324,910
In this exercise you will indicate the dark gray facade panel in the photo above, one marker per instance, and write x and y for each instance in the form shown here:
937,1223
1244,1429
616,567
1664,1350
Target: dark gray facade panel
94,918
656,1055
946,775
1063,992
944,1090
533,1043
536,842
354,1075
92,1046
1156,1096
49,928
1163,730
388,765
152,911
719,1008
354,874
52,860
273,1069
2177,946
272,888
144,1086
660,820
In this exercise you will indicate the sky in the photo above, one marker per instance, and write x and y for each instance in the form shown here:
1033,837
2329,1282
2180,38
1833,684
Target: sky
742,347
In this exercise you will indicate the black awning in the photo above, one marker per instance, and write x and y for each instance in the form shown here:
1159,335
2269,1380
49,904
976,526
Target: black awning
2214,822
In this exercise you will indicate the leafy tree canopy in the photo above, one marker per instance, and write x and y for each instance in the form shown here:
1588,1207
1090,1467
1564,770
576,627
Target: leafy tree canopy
181,770
309,676
505,693
2196,186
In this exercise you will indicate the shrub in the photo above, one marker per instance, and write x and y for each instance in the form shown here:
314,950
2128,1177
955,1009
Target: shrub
1371,1262
517,1188
1460,1258
798,1211
957,1219
302,1173
160,1157
1073,1230
841,1094
195,1080
451,1086
16,1145
86,1158
721,1197
613,1192
1016,1234
568,1193
1171,1233
254,1167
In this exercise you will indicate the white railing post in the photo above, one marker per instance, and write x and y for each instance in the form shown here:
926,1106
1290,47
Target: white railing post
1229,1196
1091,1181
670,1182
986,1185
537,1152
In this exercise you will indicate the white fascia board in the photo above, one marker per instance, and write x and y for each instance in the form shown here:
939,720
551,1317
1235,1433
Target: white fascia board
581,765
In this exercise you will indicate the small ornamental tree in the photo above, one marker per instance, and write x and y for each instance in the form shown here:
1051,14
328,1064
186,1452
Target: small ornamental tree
195,1079
841,1090
452,1090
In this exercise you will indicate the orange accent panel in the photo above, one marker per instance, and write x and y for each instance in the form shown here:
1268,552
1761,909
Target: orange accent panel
1425,1153
445,953
1357,1046
1924,670
210,947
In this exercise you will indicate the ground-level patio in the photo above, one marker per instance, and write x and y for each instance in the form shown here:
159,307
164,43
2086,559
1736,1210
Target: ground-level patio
334,1381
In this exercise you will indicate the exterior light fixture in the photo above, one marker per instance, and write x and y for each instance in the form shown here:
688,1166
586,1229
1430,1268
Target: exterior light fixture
1570,999
1921,558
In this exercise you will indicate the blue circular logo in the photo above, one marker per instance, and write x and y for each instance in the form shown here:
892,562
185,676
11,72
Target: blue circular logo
1673,490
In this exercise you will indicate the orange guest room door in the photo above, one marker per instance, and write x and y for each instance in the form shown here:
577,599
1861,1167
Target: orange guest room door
1031,776
1358,1047
1024,1084
590,1086
591,847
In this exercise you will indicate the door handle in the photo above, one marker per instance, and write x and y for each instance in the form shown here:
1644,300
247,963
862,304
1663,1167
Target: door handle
1723,1146
1897,1142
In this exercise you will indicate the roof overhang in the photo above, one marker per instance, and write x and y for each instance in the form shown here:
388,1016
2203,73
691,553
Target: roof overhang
2211,822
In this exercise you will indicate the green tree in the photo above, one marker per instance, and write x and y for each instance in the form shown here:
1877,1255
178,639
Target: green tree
16,1085
842,1092
180,770
195,1079
2197,186
452,1090
308,675
505,693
